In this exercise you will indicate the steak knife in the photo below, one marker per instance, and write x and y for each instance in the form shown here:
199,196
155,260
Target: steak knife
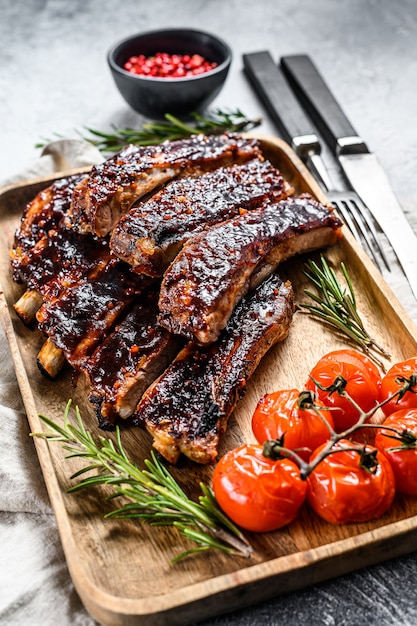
272,87
360,166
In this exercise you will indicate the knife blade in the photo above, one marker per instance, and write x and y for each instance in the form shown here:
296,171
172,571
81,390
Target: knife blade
360,166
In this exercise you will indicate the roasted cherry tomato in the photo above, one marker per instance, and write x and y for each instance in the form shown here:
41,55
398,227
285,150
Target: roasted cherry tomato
257,493
287,415
341,490
363,385
393,380
400,448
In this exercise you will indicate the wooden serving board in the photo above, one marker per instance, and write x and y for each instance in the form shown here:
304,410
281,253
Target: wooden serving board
122,569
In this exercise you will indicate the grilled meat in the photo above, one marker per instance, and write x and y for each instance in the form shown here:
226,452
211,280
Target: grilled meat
42,214
62,258
76,287
130,359
187,408
229,211
152,233
218,266
83,314
48,257
113,186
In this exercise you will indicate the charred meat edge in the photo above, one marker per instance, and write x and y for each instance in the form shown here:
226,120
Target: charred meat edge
129,360
83,314
150,235
212,379
114,186
217,267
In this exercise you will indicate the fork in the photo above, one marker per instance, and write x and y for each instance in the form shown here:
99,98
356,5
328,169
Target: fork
270,84
353,212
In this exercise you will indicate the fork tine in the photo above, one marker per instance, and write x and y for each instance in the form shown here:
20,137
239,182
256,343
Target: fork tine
366,226
357,227
347,218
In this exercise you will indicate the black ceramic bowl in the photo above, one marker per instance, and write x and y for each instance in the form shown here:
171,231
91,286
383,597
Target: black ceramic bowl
153,97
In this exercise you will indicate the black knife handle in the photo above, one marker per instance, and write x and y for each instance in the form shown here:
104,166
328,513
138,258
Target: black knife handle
321,105
280,102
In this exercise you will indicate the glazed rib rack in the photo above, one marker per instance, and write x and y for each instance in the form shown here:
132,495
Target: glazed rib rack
114,186
98,253
151,235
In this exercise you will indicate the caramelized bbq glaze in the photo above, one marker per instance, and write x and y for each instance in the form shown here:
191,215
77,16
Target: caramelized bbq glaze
215,268
47,256
152,233
44,213
113,186
212,379
83,314
60,259
104,318
130,359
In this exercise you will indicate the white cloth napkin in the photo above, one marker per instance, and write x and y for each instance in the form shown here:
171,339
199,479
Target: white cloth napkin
58,156
35,586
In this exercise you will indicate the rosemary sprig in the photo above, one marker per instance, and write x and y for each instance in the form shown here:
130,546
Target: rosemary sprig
337,306
151,133
152,493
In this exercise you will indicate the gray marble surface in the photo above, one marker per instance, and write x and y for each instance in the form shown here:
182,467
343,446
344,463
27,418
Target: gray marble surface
54,79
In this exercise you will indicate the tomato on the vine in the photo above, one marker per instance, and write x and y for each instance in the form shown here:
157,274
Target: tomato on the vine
257,493
287,415
400,448
393,380
363,383
348,486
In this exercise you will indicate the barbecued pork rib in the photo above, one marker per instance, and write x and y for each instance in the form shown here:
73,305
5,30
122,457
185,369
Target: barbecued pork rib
187,408
49,257
113,186
153,232
42,214
129,360
84,313
218,266
60,259
45,255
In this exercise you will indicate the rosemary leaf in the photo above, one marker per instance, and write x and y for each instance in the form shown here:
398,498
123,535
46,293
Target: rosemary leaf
152,493
189,130
337,306
172,128
184,555
349,284
199,537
